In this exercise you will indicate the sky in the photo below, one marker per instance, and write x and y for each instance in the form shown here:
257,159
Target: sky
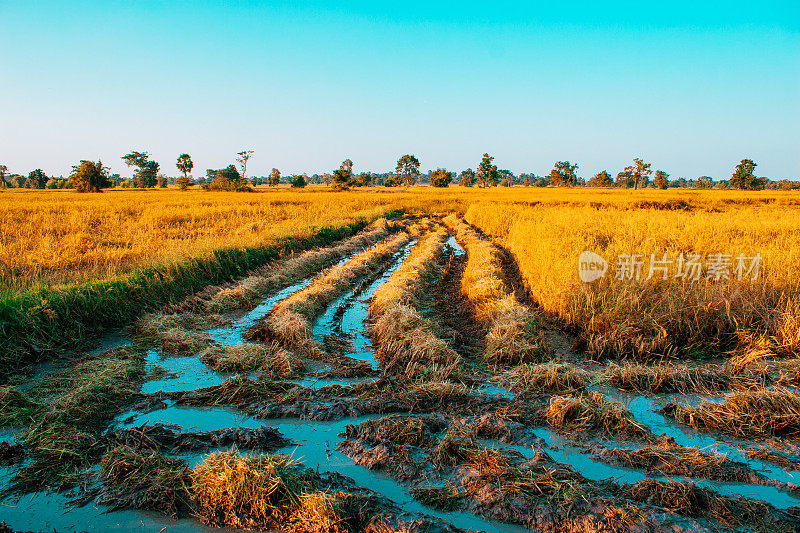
690,86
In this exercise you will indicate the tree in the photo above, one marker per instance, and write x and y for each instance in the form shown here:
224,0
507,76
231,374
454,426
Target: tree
274,177
563,174
744,178
226,179
364,179
37,179
467,178
506,178
661,179
705,182
343,175
487,172
625,179
185,165
639,173
242,158
88,176
299,181
407,169
162,180
601,179
3,174
441,177
146,173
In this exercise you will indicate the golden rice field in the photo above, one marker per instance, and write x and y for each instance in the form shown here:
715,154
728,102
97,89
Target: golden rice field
54,238
266,360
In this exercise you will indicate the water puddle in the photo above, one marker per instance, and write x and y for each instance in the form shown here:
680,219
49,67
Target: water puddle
52,512
453,244
190,418
182,374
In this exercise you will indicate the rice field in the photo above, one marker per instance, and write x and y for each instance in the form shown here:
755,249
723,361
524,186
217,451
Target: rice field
400,360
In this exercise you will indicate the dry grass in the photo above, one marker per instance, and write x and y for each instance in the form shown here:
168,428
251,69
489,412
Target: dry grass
144,479
656,319
669,459
668,378
750,413
260,492
592,413
406,340
691,500
270,360
65,237
512,337
291,320
545,377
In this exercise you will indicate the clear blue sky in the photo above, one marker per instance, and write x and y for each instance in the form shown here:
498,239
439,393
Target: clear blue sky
691,86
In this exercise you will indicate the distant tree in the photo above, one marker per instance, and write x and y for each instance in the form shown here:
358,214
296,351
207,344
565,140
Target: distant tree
407,169
705,182
506,178
393,180
625,179
37,179
441,177
299,181
467,178
88,176
639,172
601,179
146,173
487,172
661,179
3,174
744,178
226,179
242,158
162,180
364,179
274,178
185,165
563,174
343,175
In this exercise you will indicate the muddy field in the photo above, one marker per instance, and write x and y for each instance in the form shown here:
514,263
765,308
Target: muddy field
399,380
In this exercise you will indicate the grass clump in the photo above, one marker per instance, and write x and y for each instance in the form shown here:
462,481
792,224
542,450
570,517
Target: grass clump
175,334
16,408
756,413
271,360
668,378
136,478
690,500
669,459
547,377
92,390
260,492
458,445
593,412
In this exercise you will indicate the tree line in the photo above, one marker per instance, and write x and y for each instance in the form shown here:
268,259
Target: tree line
89,176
